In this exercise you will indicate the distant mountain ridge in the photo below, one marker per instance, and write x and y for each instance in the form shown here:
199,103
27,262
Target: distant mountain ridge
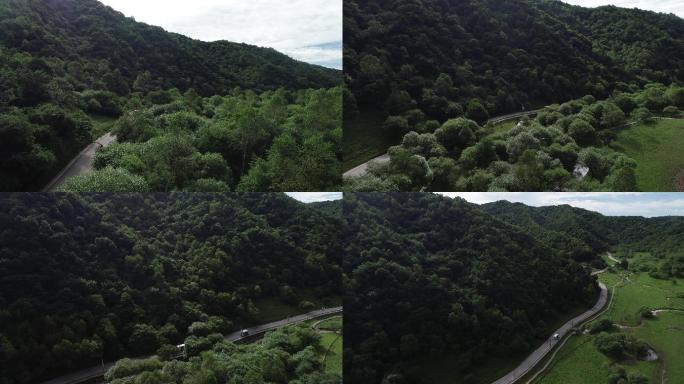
88,30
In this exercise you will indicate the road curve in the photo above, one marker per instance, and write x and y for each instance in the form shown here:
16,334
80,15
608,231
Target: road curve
98,371
535,357
81,164
362,169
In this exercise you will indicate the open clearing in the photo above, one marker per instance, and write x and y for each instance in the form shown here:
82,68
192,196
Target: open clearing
657,149
579,362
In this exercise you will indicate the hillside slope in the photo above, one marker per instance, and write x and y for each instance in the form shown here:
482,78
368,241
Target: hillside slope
448,58
431,276
113,50
85,277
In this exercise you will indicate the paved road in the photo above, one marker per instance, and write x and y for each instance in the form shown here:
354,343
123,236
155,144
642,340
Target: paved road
362,169
533,359
81,164
95,372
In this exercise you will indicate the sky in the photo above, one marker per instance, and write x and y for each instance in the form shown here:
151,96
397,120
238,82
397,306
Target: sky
312,197
665,6
307,30
607,203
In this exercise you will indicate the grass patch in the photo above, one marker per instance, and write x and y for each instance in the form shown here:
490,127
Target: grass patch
579,362
657,149
331,324
364,138
332,359
101,125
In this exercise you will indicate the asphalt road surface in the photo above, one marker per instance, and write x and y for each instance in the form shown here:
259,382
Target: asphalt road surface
94,372
362,169
533,359
81,164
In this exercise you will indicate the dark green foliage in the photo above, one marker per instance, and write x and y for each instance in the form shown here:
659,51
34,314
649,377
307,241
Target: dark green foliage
618,345
604,325
59,59
430,275
496,58
87,277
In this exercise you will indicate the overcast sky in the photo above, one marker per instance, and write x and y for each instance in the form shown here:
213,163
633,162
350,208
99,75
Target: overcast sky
311,197
607,203
666,6
307,30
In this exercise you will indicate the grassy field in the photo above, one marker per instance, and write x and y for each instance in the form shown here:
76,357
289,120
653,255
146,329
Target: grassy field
364,138
657,149
579,362
332,342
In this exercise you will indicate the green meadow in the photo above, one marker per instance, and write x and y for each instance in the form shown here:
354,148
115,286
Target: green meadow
657,149
579,362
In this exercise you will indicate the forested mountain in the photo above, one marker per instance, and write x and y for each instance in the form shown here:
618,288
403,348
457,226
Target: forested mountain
93,46
589,233
63,63
98,276
436,60
430,276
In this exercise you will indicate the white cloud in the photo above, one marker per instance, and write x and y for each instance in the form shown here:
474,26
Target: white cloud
607,203
292,27
665,6
312,197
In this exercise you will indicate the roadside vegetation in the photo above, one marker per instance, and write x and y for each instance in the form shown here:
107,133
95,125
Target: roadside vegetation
274,141
291,354
572,146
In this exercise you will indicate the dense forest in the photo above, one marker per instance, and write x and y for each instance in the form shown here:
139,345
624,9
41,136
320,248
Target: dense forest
429,276
566,147
586,234
63,63
86,277
287,355
434,60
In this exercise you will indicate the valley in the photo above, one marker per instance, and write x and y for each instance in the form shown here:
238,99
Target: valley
664,332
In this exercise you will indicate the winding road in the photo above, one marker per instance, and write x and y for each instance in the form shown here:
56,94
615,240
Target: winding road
538,355
98,371
362,169
81,164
